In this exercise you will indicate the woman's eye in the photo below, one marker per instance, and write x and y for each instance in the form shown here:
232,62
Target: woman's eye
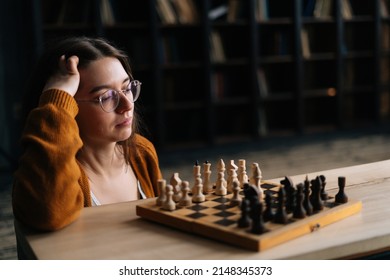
109,95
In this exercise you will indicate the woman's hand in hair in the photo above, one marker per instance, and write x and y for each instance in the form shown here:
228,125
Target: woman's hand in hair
67,78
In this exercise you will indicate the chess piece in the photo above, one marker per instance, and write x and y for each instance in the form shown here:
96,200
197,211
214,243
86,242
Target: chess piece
324,194
257,218
236,198
256,178
231,178
169,204
197,191
242,175
299,211
251,192
244,220
220,185
268,214
281,214
185,199
306,202
221,166
196,173
161,184
207,185
315,197
341,197
175,182
290,193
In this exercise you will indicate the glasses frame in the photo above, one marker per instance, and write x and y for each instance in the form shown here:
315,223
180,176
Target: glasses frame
125,92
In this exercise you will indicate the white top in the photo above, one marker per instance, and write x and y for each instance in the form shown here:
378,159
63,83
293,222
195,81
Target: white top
96,202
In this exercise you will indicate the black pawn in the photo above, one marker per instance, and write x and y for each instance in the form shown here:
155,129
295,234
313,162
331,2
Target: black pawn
341,197
324,194
316,200
257,218
290,193
281,215
306,202
299,211
244,220
268,214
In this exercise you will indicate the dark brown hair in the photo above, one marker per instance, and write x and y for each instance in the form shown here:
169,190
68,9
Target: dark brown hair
88,50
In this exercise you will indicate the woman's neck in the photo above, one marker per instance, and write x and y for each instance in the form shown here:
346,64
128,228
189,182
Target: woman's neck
102,161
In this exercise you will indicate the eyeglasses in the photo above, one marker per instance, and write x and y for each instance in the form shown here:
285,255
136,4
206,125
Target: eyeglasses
109,100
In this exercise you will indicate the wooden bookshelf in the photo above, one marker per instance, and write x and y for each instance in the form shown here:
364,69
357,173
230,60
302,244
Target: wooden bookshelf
217,70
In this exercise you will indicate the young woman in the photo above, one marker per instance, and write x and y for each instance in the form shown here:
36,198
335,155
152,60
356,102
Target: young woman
81,142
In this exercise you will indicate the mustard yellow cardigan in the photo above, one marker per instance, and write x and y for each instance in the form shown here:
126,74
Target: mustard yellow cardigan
50,187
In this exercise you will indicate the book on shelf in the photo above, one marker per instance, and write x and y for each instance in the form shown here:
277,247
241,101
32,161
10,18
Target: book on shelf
323,9
217,52
384,8
305,43
385,73
166,12
218,12
186,11
233,10
218,85
262,10
106,13
385,37
262,83
346,9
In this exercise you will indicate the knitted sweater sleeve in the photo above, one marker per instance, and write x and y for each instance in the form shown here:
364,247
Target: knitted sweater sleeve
146,166
46,193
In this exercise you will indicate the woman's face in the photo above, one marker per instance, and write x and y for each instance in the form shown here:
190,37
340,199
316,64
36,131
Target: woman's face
97,126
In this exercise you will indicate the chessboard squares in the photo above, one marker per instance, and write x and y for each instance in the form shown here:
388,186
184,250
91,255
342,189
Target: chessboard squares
224,214
221,199
197,207
270,188
225,222
223,206
196,215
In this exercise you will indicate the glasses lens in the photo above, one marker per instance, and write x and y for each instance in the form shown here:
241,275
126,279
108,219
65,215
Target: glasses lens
135,87
109,100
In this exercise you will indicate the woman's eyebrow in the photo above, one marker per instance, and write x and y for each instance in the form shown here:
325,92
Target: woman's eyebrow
98,88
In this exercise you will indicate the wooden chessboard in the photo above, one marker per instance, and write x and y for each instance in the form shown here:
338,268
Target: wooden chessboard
216,219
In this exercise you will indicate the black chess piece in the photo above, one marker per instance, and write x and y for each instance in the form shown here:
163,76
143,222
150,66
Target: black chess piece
268,214
251,192
299,211
306,202
316,200
341,197
258,226
290,193
281,214
244,220
324,194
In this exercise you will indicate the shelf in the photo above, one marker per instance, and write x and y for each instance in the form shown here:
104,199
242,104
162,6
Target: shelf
247,71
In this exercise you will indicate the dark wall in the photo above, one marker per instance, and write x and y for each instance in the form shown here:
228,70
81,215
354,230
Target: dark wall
18,52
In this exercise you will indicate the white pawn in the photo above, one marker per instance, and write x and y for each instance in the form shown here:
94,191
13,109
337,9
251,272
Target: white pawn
207,186
242,176
161,189
256,178
169,204
231,178
236,198
220,186
176,182
197,191
185,199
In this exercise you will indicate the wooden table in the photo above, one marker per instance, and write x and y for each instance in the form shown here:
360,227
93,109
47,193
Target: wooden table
115,232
